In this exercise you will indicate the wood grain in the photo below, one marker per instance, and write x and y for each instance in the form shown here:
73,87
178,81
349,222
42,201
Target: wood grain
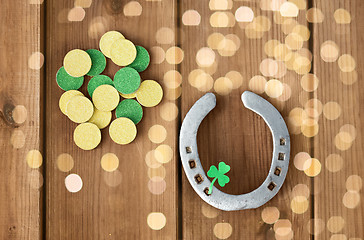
331,186
230,133
236,135
20,198
99,211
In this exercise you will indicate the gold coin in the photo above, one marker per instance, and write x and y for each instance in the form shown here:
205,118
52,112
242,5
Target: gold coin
107,40
122,130
123,52
87,136
106,98
100,118
149,94
77,63
66,96
79,109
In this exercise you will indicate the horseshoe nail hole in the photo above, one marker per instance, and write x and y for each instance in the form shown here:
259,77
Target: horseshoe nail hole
188,150
277,172
282,141
198,178
192,163
281,156
271,186
206,191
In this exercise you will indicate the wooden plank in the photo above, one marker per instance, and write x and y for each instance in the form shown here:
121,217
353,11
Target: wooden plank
234,134
339,202
20,110
110,205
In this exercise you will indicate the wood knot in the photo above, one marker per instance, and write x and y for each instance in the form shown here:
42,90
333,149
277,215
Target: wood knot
7,114
114,7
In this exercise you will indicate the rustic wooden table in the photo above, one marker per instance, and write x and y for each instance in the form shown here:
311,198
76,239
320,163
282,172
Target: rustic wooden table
307,63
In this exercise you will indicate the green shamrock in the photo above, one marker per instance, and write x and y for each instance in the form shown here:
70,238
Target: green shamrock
219,174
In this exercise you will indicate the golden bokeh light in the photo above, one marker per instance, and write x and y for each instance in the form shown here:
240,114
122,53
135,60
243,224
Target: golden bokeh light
275,5
168,111
335,224
172,79
113,179
268,67
76,14
347,63
302,161
282,227
351,199
341,141
151,161
163,153
17,139
299,204
354,183
214,39
36,60
191,18
132,9
159,172
157,55
288,9
309,82
205,57
109,162
309,127
244,14
270,215
350,129
300,190
314,169
257,84
223,230
342,16
164,35
208,211
236,79
34,159
65,162
329,51
223,86
294,41
315,15
349,78
303,31
334,162
174,55
273,88
220,4
157,133
332,110
157,185
83,3
156,220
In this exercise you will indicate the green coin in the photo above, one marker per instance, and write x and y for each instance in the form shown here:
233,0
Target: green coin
131,109
142,59
98,62
66,81
98,81
127,80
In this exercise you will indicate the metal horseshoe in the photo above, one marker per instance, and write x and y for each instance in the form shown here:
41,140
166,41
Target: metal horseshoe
192,164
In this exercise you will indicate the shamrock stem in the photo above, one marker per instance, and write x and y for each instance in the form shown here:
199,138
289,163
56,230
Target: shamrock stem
211,185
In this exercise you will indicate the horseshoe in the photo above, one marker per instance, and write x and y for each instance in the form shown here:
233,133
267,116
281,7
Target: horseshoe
196,175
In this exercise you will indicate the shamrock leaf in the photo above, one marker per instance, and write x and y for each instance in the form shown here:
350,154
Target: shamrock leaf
219,174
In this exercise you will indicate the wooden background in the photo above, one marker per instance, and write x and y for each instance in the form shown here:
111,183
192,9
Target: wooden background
322,195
